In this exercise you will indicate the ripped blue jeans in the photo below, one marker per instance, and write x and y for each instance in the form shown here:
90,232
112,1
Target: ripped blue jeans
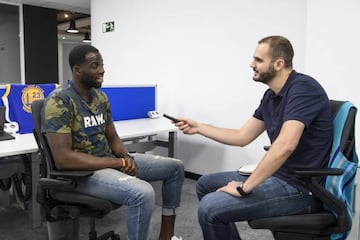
136,192
218,211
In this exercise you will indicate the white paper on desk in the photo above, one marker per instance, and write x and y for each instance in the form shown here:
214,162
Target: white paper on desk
247,169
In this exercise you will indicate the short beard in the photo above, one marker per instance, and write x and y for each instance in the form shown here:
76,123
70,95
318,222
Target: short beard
267,76
88,81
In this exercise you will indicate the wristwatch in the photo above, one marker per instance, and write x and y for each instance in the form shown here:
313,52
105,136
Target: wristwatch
240,189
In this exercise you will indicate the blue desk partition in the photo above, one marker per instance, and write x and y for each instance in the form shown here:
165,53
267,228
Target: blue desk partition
131,102
127,102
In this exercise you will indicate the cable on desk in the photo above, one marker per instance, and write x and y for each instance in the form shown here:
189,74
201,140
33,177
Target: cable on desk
25,179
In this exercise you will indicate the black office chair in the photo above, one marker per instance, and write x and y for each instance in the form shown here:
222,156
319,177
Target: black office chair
56,191
335,218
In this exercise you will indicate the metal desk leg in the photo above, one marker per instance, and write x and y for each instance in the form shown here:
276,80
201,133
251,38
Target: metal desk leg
172,147
34,206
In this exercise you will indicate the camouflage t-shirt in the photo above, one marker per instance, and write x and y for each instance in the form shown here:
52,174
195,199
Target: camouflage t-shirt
65,111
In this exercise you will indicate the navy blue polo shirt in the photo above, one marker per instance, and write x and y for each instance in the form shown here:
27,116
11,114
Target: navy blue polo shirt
302,98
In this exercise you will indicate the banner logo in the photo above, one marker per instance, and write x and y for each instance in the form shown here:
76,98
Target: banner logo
30,94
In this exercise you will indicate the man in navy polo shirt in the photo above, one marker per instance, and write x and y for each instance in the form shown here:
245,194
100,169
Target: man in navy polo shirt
295,113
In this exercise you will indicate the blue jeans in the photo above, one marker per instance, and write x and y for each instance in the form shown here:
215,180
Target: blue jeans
218,211
136,192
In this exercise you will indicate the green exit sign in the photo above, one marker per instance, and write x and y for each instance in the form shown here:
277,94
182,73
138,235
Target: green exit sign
108,27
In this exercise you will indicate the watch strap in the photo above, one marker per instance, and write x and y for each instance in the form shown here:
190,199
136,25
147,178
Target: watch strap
241,190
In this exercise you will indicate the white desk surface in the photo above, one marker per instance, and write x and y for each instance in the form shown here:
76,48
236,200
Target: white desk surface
25,143
143,127
22,144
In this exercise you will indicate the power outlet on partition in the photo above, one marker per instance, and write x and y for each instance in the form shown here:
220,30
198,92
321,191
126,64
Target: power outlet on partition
153,114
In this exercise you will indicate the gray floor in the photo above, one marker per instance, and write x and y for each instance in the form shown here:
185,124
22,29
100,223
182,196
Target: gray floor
14,221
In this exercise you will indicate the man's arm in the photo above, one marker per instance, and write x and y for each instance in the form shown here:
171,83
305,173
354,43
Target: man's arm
67,159
284,145
236,137
114,141
119,150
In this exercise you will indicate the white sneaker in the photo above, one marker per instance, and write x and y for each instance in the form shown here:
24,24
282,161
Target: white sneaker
176,238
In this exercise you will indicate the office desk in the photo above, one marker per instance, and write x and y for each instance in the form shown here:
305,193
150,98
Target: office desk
133,132
136,134
25,144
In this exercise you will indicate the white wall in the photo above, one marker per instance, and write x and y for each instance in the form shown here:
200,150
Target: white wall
64,48
9,45
199,51
333,48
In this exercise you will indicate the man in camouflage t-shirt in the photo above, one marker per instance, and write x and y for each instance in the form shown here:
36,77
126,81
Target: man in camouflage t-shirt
85,121
81,135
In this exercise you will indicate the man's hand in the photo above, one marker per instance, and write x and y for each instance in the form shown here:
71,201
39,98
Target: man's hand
230,188
187,126
130,166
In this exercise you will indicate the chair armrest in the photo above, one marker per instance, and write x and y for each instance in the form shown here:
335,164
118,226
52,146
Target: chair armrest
316,172
63,180
68,177
335,204
73,175
55,184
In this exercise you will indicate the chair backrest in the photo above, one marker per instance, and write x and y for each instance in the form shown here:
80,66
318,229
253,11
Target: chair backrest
343,155
41,140
63,202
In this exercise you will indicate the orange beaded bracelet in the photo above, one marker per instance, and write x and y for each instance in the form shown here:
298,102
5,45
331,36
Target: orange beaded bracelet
123,162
